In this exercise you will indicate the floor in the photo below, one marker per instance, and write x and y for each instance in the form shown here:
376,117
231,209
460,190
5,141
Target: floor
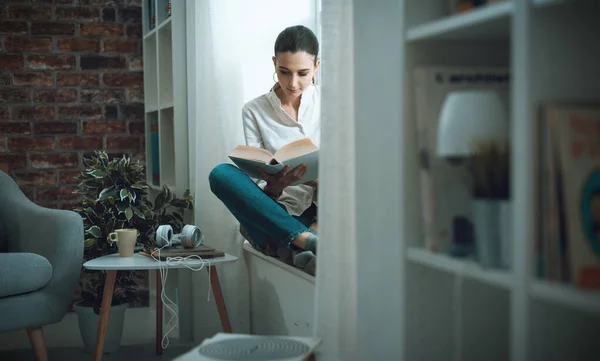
125,353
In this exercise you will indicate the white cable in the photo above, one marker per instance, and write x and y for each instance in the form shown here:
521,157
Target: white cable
163,267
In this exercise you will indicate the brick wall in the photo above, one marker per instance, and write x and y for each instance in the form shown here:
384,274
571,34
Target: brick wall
70,82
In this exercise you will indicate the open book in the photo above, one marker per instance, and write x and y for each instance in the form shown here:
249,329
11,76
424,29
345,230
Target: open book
301,151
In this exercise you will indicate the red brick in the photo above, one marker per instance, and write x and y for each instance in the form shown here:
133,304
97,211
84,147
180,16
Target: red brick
80,112
81,143
78,45
127,80
136,128
78,14
11,61
94,62
14,160
77,79
43,62
136,63
54,160
134,30
4,113
52,29
35,112
14,43
12,95
121,46
33,79
13,27
135,95
53,128
133,112
56,194
109,15
21,128
103,96
123,142
102,127
21,144
111,112
5,79
54,95
103,30
30,12
130,14
35,178
68,176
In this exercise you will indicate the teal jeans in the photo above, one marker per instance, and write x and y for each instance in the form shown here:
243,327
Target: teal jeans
264,220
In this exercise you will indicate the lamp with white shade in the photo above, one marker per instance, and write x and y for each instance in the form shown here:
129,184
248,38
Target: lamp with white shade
473,126
470,116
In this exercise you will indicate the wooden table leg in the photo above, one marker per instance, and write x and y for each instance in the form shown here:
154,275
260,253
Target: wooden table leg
216,286
109,287
159,314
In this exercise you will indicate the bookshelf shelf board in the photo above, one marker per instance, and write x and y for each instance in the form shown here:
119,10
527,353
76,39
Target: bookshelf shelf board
491,21
166,22
462,267
568,295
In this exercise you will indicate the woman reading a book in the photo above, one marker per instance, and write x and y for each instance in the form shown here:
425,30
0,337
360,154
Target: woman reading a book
274,213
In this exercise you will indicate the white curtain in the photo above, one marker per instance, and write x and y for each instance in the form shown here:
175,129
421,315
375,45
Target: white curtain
230,64
335,316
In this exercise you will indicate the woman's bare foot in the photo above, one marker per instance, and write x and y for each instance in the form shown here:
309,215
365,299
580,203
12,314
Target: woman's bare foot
314,226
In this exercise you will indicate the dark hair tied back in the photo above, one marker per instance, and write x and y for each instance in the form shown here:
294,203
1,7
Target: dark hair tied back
297,38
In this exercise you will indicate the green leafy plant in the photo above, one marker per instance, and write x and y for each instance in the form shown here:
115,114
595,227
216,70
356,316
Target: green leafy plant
114,195
490,170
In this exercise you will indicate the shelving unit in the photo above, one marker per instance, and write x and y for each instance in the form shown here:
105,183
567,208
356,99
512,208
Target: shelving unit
165,88
453,305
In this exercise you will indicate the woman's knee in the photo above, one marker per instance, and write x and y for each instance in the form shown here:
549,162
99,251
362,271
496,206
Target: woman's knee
220,174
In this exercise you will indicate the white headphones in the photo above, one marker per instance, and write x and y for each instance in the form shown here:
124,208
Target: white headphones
190,236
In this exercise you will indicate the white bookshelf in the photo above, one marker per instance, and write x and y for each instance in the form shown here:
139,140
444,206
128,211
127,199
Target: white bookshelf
165,91
456,310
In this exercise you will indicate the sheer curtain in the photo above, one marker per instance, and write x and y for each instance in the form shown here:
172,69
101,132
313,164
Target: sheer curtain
336,303
230,63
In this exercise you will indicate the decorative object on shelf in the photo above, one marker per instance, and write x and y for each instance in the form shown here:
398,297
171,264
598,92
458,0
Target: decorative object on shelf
155,154
474,126
168,8
462,237
444,191
489,168
115,196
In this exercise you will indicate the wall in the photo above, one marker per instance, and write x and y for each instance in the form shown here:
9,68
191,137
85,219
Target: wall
71,82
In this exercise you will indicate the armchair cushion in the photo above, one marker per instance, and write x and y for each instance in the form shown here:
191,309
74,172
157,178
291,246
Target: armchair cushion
23,272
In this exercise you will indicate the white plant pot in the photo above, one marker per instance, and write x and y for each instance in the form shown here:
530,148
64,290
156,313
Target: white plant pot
88,327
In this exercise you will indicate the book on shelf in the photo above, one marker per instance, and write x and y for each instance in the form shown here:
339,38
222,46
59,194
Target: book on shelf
155,154
301,151
445,196
568,243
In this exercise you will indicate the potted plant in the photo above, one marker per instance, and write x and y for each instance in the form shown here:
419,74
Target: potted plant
114,195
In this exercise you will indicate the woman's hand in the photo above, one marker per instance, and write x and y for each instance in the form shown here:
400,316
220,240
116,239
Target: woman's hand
277,182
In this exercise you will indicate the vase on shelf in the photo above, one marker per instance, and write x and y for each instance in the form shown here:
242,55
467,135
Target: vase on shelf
492,232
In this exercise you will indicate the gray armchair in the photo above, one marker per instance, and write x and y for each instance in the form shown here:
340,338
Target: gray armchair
41,252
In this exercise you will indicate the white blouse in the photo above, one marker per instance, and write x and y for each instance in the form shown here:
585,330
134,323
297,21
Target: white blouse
268,126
